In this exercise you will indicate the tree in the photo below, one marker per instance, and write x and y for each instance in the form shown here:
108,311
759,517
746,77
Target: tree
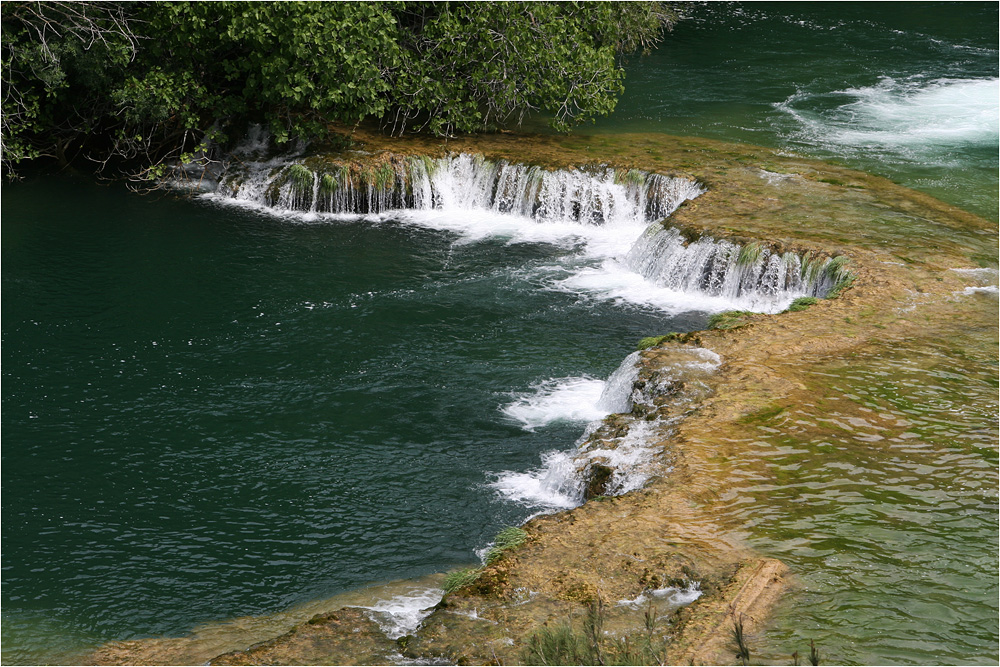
145,83
57,60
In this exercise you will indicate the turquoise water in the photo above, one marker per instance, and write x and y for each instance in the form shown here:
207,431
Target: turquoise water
210,412
907,91
881,494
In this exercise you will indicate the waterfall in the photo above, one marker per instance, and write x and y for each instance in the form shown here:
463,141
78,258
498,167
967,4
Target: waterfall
599,196
608,208
617,394
752,276
631,454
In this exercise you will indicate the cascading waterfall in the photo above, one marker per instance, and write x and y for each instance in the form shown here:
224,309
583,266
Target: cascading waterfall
748,277
617,394
631,456
753,276
620,214
602,196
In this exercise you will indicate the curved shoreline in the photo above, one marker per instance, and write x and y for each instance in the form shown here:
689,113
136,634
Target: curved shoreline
678,527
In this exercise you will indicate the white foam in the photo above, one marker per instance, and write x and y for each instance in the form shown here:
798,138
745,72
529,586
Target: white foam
989,289
987,279
474,225
723,273
402,614
614,281
557,400
558,483
554,485
981,275
672,596
632,459
707,360
903,114
256,142
581,399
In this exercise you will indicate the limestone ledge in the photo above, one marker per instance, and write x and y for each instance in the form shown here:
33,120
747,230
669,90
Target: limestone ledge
675,530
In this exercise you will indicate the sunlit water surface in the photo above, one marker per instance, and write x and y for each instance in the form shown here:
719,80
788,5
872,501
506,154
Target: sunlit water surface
881,493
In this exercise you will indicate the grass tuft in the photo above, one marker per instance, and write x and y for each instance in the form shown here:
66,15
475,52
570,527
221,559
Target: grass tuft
629,177
802,303
300,177
740,641
589,645
651,341
731,319
327,184
461,578
840,286
749,254
506,540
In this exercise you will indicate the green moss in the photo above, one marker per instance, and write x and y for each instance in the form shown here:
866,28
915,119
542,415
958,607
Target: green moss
327,184
837,269
598,476
731,319
749,254
630,177
842,277
762,415
651,341
383,176
507,540
300,177
689,236
802,303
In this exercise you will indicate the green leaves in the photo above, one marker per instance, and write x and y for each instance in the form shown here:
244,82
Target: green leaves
442,67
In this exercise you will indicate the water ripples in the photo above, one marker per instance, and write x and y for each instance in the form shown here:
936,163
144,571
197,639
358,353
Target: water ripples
882,494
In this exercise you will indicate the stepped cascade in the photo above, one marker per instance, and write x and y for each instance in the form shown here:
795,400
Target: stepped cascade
599,196
751,276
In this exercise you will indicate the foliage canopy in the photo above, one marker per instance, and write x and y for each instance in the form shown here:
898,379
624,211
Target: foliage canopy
152,81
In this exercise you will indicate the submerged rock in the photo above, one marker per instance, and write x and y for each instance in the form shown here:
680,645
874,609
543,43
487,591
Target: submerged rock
344,637
597,476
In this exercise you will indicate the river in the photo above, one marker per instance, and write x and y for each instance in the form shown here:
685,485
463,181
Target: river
213,411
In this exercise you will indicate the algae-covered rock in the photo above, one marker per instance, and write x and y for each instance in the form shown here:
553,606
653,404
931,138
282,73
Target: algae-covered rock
344,637
597,476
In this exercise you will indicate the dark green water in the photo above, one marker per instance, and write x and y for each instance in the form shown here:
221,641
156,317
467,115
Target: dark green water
210,413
